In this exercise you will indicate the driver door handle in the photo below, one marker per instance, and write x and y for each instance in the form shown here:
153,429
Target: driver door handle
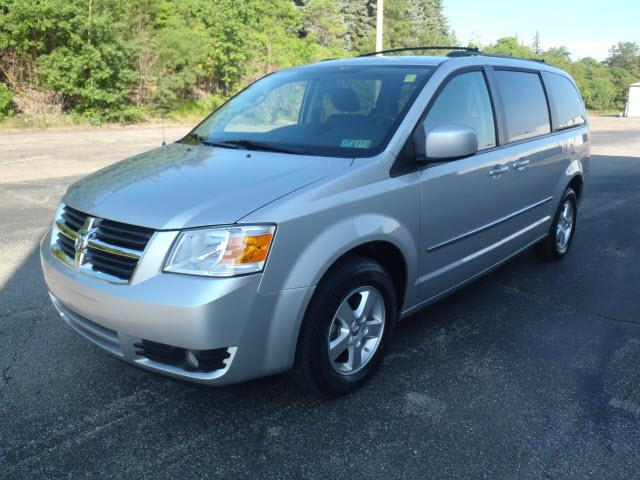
520,164
498,170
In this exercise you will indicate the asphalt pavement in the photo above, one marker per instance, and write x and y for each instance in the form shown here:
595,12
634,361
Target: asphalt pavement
531,372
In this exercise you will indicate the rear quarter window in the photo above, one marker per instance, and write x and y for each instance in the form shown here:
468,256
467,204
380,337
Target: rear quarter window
567,102
525,104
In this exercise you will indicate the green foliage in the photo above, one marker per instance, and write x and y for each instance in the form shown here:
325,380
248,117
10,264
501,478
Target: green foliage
510,46
407,23
625,55
80,51
359,18
397,25
428,25
321,19
595,84
6,99
122,60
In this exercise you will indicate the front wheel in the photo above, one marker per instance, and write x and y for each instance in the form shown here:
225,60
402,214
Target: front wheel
347,327
562,230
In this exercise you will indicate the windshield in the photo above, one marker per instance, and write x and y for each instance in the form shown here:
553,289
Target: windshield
343,111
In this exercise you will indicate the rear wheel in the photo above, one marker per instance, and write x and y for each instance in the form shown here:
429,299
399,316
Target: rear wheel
347,327
563,227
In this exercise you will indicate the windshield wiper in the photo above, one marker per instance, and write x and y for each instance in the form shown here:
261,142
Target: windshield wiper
267,147
245,144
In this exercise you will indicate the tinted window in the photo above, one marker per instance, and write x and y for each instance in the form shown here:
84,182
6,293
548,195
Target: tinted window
525,104
465,101
568,104
347,111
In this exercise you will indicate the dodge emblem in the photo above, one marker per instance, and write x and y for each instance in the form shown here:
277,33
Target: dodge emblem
85,234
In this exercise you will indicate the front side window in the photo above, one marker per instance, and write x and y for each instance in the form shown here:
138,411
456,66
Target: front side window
349,111
568,104
465,101
525,104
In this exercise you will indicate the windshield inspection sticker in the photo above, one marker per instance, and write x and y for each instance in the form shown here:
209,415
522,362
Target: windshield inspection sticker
410,77
355,143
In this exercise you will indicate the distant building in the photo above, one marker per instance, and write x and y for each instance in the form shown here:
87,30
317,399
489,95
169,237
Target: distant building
633,105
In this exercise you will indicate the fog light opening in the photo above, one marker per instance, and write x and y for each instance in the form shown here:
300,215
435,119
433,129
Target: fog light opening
191,359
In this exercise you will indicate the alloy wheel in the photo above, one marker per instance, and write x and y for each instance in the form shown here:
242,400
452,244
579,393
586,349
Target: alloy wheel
564,227
356,330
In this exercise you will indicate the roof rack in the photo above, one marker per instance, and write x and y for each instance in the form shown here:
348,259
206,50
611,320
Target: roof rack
465,53
469,50
455,52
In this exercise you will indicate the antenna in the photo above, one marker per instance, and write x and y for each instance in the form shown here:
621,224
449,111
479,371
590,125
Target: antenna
164,142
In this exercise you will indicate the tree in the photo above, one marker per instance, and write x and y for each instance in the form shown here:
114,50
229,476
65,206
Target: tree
621,80
322,20
397,24
595,85
624,68
6,98
537,49
85,55
558,57
428,24
510,46
359,19
624,55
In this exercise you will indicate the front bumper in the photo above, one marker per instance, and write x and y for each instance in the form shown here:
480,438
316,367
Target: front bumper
190,312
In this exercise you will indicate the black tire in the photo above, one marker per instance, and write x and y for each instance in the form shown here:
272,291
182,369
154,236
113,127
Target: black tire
313,369
549,249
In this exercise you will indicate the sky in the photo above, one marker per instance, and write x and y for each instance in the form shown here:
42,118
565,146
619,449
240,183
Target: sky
587,28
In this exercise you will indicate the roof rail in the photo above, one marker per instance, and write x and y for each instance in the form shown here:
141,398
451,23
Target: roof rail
469,50
465,53
455,52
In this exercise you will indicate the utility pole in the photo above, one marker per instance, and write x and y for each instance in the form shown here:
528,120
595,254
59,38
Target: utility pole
379,16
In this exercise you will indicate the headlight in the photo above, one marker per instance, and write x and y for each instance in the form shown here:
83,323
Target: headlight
221,251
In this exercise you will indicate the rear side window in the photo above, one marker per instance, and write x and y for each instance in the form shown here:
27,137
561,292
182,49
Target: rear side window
465,101
525,104
568,104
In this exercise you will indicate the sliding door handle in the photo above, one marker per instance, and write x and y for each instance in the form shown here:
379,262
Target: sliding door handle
498,170
520,164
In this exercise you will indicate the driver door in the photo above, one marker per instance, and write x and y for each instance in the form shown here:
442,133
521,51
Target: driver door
465,203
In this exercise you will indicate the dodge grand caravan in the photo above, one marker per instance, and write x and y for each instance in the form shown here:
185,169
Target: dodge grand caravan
294,226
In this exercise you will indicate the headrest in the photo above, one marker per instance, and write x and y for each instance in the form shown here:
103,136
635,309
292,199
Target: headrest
345,100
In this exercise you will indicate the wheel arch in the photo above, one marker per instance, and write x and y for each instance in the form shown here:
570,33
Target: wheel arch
388,255
577,185
378,237
384,252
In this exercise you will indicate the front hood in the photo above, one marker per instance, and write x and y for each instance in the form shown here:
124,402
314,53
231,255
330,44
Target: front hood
180,186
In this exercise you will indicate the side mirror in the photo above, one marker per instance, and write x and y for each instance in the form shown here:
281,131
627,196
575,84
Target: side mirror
449,142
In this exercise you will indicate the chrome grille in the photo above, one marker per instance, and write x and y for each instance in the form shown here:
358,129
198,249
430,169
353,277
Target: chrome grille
102,248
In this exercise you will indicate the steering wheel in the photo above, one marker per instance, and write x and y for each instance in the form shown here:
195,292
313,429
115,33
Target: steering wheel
376,117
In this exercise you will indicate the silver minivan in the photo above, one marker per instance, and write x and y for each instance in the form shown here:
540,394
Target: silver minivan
298,223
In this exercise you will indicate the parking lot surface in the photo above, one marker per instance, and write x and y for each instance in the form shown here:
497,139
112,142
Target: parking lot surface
531,372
